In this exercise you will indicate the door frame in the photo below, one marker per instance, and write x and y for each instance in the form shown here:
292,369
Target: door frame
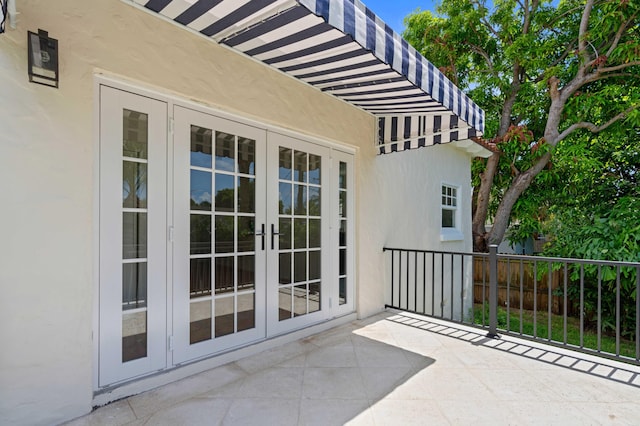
120,83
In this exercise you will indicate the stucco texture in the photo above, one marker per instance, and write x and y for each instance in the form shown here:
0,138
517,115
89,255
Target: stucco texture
48,191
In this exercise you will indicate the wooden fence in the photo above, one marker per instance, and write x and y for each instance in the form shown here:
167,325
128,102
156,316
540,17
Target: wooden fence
516,278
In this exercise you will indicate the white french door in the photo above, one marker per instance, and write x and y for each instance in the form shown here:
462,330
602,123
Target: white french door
133,243
219,215
298,262
214,235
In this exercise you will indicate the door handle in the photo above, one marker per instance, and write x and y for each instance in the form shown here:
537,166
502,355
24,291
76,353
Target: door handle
273,236
262,234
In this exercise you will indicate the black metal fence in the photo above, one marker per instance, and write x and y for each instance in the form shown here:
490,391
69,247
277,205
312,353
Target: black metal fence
587,305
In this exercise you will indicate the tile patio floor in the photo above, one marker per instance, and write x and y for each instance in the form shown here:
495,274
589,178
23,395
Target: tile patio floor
394,369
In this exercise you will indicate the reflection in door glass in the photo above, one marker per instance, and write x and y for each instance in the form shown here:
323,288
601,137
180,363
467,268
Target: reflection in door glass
342,234
135,134
222,246
134,185
300,166
200,234
224,273
225,152
225,314
134,335
134,235
225,193
135,144
201,145
246,311
134,285
200,277
285,161
199,321
246,156
299,199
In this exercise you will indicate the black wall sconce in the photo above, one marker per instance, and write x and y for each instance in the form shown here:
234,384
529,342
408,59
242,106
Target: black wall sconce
43,58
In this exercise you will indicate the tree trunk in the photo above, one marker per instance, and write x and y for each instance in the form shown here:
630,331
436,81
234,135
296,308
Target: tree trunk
517,187
482,204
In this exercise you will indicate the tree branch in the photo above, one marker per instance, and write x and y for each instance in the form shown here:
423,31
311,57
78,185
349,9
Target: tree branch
582,34
619,34
480,51
592,127
617,67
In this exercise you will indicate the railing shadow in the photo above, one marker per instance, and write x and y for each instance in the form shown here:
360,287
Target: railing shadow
575,361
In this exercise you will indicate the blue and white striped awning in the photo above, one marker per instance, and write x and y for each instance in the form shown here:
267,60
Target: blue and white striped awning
342,48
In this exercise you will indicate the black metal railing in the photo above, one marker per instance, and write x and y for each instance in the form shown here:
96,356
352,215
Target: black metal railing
587,305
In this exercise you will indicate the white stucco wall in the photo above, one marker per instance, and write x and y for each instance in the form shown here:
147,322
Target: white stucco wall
406,188
47,169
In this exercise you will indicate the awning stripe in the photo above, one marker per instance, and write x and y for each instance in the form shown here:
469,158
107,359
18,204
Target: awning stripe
293,38
340,69
197,10
342,48
376,73
243,12
278,21
342,41
325,61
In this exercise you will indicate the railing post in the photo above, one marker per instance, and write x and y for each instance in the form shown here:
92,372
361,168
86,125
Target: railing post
493,292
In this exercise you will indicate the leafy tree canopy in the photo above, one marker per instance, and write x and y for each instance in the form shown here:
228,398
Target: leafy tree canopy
549,77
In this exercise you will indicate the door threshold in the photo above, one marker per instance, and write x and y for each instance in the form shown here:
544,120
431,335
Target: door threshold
113,393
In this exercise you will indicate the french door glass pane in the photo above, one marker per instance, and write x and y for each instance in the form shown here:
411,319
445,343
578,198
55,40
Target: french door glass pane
134,335
200,190
246,273
224,273
225,314
246,156
200,234
300,186
134,185
135,147
225,152
200,277
201,146
246,311
199,321
134,285
225,192
135,134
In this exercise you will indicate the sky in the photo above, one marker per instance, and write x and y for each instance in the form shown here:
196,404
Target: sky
393,11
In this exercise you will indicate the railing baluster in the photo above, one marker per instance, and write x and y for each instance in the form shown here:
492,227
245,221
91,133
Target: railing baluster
415,281
549,268
393,291
535,298
484,291
638,313
433,284
599,318
618,311
581,305
441,285
521,293
407,292
424,284
508,295
493,290
566,308
451,308
462,288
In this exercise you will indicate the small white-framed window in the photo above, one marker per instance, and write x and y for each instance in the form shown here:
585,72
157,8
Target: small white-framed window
450,215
